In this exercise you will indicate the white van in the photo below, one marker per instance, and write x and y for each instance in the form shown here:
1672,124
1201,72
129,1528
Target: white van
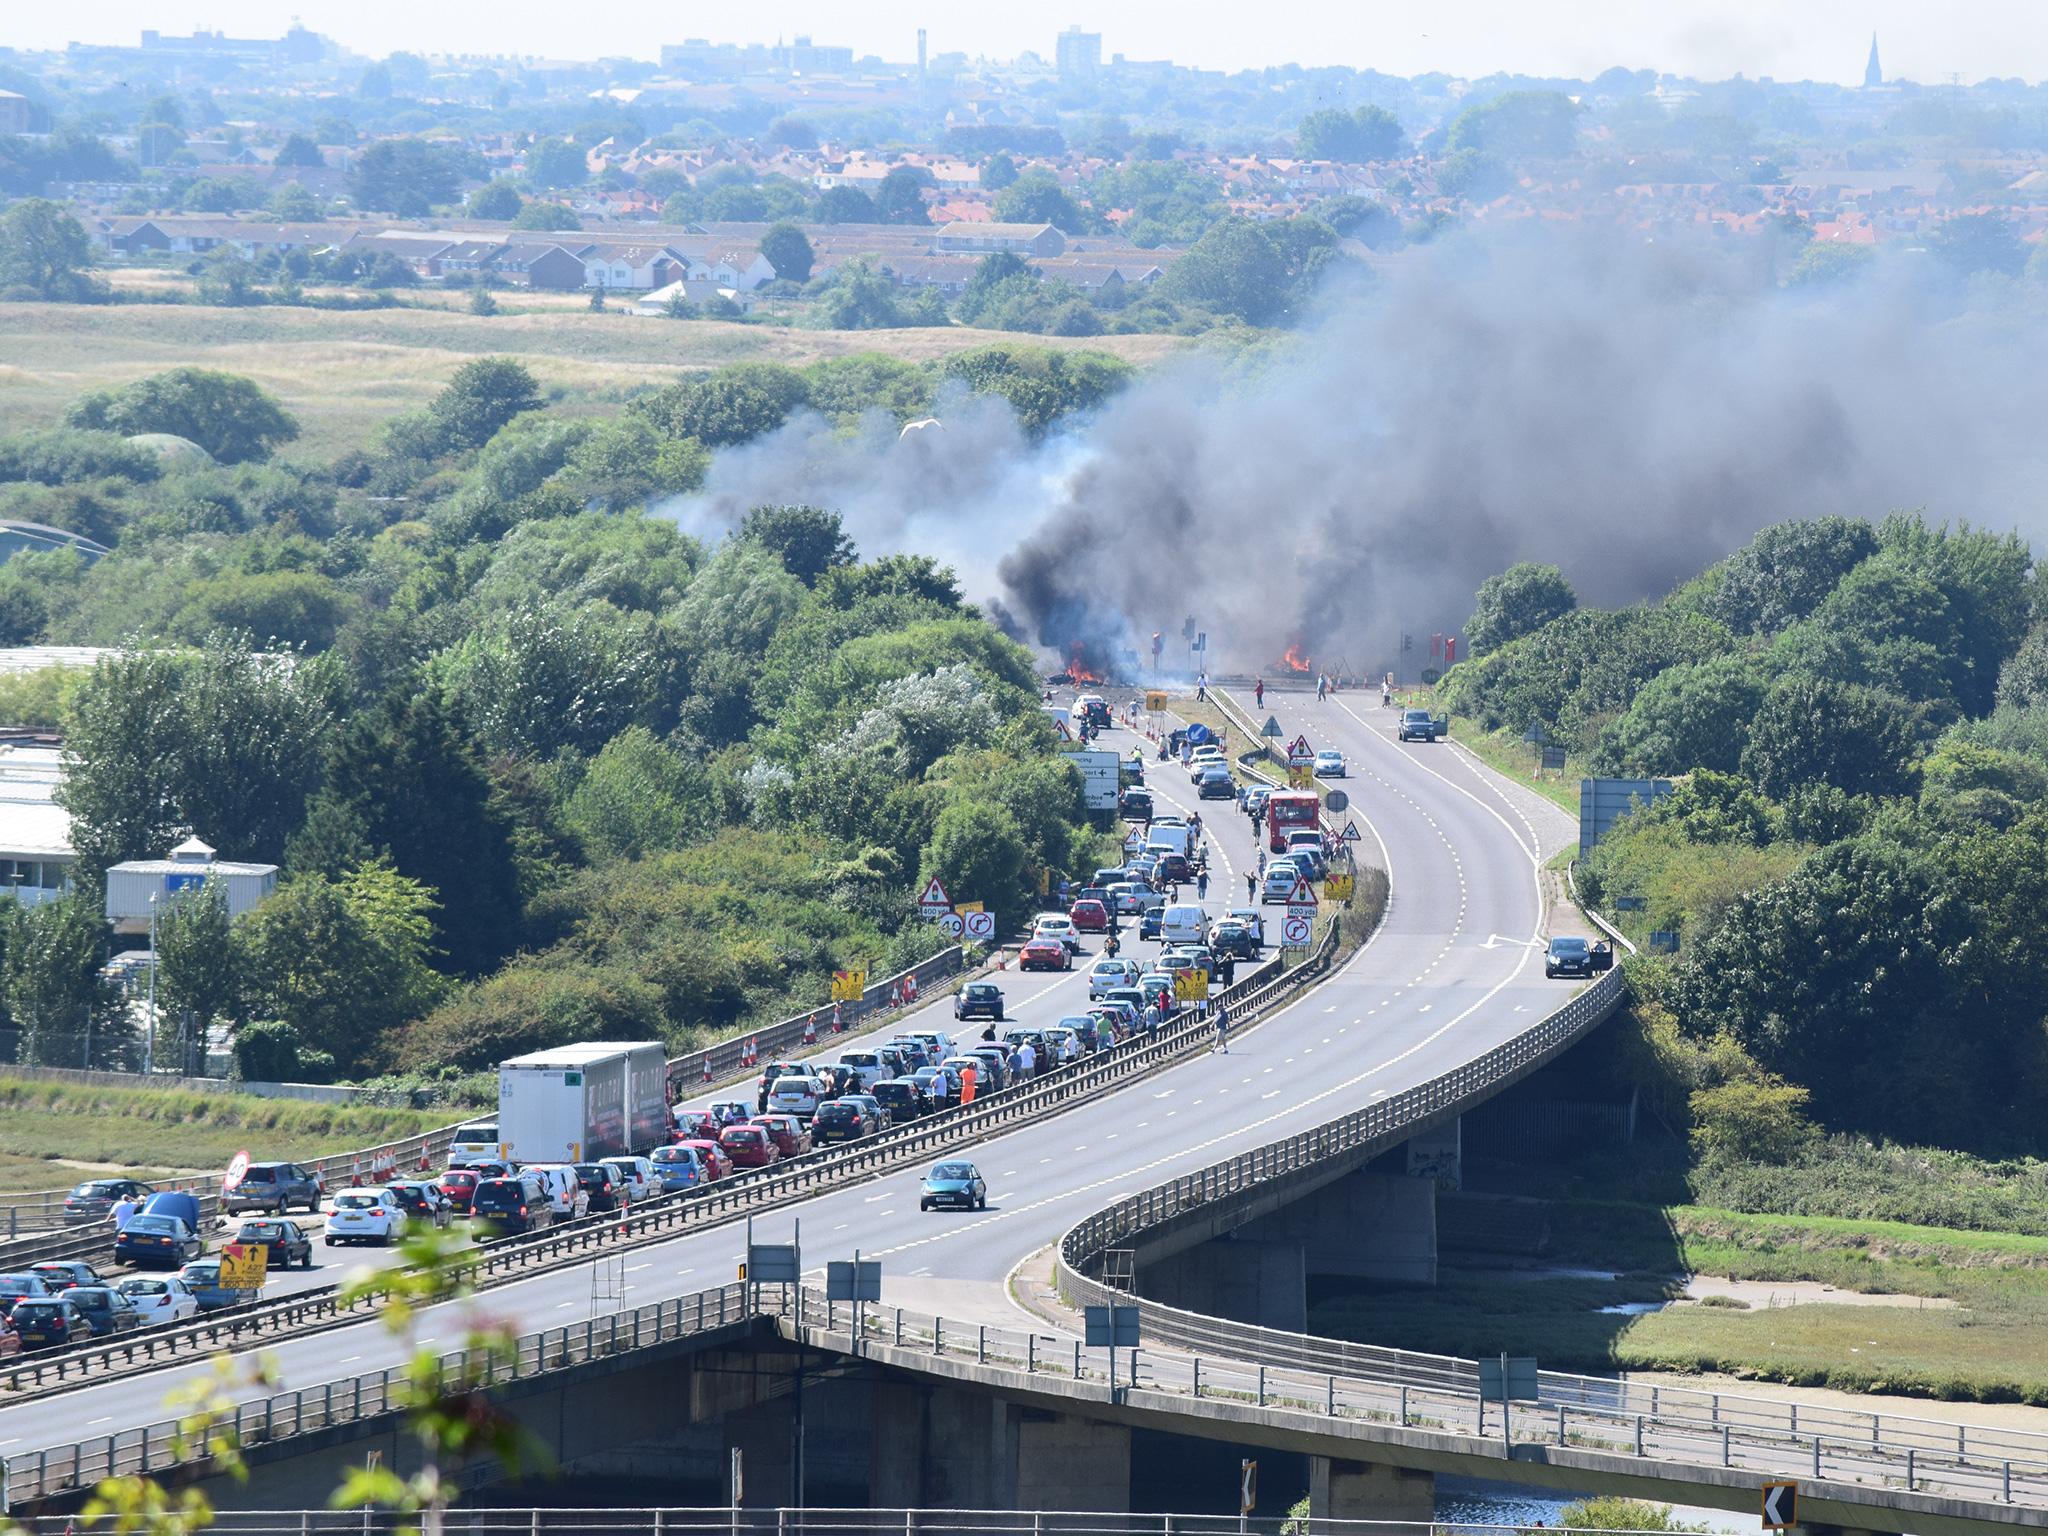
565,1191
1162,839
1184,924
476,1141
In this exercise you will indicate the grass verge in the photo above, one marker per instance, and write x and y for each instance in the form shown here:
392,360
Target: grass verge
1514,758
149,1129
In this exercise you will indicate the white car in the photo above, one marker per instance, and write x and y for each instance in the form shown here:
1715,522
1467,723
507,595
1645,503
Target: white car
160,1299
937,1043
635,1175
364,1216
1202,757
1107,974
1330,765
565,1191
1057,926
795,1094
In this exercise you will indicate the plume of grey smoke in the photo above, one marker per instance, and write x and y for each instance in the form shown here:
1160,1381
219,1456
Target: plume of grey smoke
1629,410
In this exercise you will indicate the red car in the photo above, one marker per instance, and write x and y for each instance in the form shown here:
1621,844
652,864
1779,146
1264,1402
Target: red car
717,1161
787,1132
1044,955
749,1146
1090,916
458,1187
696,1125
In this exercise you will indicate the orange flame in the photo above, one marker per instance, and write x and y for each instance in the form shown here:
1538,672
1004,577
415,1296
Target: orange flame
1294,661
1078,670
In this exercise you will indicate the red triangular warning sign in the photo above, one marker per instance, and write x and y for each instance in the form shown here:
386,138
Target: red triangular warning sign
1299,750
1303,894
934,896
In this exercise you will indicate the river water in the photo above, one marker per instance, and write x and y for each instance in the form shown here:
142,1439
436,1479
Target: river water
1466,1501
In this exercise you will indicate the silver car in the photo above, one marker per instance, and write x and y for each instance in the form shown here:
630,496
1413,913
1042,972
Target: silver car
1109,973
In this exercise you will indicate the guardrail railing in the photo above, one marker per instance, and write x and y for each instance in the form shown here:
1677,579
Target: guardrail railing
744,1193
34,1217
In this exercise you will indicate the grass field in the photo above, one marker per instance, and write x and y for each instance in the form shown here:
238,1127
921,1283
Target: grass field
342,373
1511,757
151,1130
1991,1345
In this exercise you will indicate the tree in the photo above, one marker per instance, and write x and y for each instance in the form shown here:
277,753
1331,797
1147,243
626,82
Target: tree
497,199
1036,197
977,847
1475,175
1981,242
69,1014
552,164
540,214
1786,571
481,300
403,176
45,250
1813,729
846,205
1694,715
808,541
793,132
483,395
343,961
1360,219
198,964
295,204
224,740
1234,269
788,252
733,405
1543,124
900,197
1827,264
231,417
1370,133
401,784
1519,601
228,279
997,172
299,150
637,797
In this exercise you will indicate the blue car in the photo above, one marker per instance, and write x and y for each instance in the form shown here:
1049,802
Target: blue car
202,1279
677,1168
162,1241
956,1184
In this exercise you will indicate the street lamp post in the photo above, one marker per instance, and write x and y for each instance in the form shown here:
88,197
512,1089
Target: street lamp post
149,1050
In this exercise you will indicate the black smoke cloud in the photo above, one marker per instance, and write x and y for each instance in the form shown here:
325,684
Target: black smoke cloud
1627,409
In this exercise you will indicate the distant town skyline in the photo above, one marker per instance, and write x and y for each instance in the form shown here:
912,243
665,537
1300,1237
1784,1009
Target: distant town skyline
1818,39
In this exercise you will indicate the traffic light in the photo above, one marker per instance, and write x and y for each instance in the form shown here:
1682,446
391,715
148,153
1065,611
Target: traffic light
1450,649
1407,641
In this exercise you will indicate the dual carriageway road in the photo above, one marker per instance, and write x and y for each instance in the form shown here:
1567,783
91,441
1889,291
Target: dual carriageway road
1452,971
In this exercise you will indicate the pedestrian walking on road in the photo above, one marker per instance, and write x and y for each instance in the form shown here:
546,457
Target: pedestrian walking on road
1202,886
1223,1028
1251,885
1322,687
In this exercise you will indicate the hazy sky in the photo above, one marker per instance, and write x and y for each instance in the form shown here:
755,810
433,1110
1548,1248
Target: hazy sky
1789,39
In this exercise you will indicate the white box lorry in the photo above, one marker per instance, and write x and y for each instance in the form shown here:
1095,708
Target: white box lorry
578,1103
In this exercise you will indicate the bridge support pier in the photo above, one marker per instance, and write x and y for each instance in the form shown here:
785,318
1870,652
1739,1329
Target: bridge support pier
1065,1462
1243,1276
1364,1490
1438,1154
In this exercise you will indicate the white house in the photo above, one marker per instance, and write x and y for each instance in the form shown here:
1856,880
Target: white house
134,885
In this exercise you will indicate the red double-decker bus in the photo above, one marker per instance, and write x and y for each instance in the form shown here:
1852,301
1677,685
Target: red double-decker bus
1289,810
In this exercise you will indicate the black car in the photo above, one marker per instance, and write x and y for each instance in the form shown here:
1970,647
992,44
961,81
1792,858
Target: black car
599,1185
95,1198
1235,939
286,1241
105,1308
510,1205
15,1289
1418,725
1568,957
979,1000
273,1187
840,1120
422,1201
47,1321
902,1097
62,1274
164,1240
995,1068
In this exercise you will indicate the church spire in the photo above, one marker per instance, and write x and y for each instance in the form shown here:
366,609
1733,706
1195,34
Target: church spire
1872,75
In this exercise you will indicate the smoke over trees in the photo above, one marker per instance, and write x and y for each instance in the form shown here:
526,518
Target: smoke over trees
1629,410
